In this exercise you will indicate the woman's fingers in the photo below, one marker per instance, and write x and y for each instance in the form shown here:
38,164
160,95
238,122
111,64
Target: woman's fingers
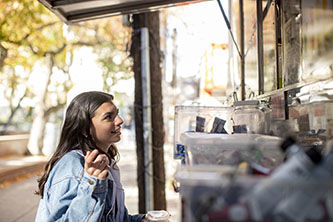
96,164
99,164
90,156
101,172
105,172
99,159
96,173
88,153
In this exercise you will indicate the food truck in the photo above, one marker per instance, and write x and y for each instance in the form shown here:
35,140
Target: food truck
268,156
243,162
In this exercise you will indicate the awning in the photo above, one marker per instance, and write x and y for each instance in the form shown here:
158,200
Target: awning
71,11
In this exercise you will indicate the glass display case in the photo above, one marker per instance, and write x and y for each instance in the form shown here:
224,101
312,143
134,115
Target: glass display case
224,149
250,116
200,119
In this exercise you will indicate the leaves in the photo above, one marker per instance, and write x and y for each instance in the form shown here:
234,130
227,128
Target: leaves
29,33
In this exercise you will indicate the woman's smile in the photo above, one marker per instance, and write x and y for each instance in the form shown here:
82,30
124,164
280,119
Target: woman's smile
117,131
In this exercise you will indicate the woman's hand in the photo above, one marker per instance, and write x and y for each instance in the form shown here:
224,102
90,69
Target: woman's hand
96,164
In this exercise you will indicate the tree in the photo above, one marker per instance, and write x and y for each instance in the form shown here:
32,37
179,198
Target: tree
14,97
151,21
30,35
23,26
109,40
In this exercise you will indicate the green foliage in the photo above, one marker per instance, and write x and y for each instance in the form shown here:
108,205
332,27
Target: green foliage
110,41
21,27
30,33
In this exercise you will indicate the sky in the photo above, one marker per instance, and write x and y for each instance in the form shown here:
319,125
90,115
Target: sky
198,25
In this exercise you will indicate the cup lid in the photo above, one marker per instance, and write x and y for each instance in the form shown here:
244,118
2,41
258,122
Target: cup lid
157,215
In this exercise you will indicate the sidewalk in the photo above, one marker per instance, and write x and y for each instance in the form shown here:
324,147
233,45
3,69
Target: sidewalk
18,201
14,167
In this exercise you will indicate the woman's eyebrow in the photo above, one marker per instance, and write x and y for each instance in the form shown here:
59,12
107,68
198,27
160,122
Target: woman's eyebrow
116,111
108,113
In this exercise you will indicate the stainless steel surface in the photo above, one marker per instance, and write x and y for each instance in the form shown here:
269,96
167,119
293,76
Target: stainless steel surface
147,125
260,47
71,11
242,47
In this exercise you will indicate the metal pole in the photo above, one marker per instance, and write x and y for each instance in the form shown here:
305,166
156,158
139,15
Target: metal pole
231,80
147,132
228,24
242,37
260,47
278,46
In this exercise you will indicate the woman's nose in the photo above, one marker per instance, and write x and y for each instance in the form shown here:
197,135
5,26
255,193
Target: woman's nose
119,120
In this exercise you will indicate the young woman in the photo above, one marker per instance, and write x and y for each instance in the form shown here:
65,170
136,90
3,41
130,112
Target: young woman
81,181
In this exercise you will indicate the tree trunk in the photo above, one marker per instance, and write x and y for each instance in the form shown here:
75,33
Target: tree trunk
3,55
35,144
157,111
12,113
151,21
138,115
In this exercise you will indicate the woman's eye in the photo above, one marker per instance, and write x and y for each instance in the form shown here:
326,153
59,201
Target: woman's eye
109,117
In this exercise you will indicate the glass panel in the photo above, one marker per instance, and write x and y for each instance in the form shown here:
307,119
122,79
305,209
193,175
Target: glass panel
291,42
235,21
269,49
317,39
250,46
250,50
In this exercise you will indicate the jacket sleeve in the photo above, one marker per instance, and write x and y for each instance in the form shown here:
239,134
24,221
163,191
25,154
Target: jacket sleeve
132,218
77,199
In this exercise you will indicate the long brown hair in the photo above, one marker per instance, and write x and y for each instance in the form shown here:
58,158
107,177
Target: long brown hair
75,133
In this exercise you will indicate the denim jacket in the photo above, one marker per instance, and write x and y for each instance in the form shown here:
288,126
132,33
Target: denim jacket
71,194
